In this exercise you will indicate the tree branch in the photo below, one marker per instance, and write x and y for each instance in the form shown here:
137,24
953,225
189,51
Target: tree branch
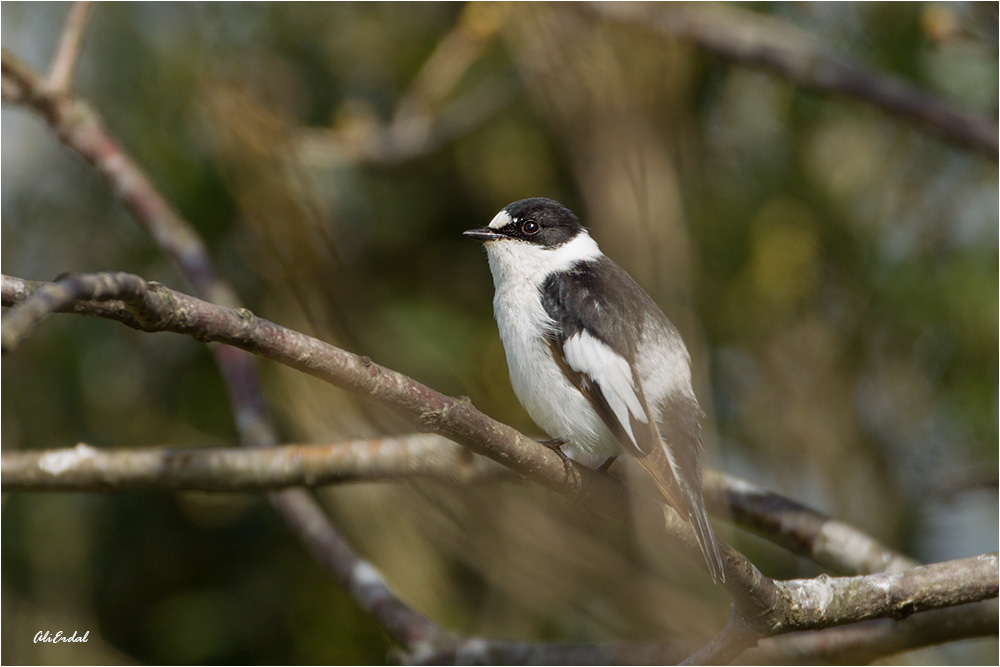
769,607
825,602
86,468
362,581
861,643
750,38
78,126
158,308
833,544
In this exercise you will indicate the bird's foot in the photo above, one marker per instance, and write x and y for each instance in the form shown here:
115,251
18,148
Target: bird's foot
556,445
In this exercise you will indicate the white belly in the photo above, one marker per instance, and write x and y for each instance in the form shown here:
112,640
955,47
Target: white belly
541,386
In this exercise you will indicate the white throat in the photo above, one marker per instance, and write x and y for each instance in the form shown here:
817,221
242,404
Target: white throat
514,262
519,269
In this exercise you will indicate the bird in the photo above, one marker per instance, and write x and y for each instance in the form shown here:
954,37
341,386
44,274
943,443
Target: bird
592,358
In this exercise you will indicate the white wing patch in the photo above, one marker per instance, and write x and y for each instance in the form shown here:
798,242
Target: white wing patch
611,373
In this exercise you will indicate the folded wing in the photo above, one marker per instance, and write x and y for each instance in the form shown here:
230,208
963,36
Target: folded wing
590,342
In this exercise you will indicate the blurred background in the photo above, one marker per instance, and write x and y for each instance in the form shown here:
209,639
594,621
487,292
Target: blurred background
832,268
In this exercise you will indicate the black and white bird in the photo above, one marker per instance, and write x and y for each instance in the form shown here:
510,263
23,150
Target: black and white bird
592,358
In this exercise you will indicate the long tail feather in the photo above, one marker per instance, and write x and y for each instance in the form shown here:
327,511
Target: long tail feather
686,499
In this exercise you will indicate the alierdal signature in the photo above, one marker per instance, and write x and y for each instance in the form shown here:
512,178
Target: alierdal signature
47,637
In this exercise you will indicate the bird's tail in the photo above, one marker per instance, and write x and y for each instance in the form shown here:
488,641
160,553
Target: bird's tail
685,497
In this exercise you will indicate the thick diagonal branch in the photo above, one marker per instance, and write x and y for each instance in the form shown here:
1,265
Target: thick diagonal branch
768,607
162,309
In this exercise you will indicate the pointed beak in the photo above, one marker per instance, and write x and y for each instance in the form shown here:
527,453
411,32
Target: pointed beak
483,235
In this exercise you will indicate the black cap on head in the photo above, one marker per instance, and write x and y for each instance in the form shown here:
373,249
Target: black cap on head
538,220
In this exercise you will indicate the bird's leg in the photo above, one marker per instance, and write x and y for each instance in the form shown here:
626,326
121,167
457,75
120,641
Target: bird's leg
604,467
556,445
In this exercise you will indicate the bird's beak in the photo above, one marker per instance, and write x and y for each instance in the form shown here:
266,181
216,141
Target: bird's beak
483,235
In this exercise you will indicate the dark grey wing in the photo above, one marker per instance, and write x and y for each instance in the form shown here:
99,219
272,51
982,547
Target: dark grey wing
593,341
599,312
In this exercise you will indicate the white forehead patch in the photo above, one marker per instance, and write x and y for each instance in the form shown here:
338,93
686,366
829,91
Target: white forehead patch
501,219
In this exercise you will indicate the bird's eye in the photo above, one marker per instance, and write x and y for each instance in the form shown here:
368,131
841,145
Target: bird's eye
529,227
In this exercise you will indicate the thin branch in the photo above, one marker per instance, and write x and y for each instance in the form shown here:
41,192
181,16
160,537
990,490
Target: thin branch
60,78
59,296
827,601
863,643
86,468
750,38
800,529
80,127
359,578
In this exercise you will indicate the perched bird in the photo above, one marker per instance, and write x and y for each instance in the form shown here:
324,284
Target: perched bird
592,358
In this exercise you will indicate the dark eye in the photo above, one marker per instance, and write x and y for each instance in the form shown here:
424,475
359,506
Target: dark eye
529,227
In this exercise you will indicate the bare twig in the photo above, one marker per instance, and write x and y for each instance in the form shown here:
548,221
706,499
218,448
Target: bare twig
833,544
60,78
749,38
86,468
80,127
826,601
55,297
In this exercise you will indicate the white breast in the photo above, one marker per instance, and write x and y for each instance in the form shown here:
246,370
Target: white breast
544,391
